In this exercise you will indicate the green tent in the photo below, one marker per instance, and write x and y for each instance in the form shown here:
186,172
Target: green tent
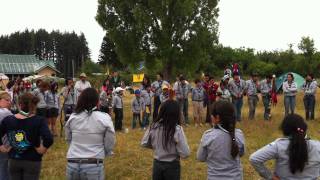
282,78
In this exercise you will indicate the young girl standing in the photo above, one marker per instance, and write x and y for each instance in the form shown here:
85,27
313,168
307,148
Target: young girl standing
166,137
53,103
222,146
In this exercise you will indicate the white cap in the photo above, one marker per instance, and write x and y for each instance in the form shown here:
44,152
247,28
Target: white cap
118,89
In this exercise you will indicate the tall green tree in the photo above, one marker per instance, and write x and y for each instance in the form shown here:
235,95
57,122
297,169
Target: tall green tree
170,34
306,45
108,56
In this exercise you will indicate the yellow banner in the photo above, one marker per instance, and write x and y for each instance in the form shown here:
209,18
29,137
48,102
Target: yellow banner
137,78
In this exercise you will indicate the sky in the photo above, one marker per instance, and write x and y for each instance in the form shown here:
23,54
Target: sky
258,24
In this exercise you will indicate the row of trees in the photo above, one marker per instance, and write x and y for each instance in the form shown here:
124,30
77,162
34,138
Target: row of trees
68,50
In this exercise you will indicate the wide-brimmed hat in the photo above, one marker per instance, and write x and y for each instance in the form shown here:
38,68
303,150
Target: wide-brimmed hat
83,75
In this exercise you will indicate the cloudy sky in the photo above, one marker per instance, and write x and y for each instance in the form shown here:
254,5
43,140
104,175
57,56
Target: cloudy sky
259,24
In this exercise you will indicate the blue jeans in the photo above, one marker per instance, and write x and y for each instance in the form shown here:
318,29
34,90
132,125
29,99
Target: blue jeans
309,103
77,171
145,121
4,171
237,103
267,109
289,104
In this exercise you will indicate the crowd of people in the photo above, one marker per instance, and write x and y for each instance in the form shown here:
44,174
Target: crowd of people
28,125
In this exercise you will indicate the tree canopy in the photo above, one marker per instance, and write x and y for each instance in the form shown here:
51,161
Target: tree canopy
169,35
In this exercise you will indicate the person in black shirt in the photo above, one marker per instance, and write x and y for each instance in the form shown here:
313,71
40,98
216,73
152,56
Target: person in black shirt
29,138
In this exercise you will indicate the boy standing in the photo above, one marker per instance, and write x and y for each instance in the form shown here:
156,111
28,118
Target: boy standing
137,107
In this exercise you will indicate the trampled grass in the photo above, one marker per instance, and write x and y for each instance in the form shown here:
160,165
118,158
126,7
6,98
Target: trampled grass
131,162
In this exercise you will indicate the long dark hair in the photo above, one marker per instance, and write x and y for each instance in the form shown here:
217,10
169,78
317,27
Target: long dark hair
88,99
226,112
168,118
294,127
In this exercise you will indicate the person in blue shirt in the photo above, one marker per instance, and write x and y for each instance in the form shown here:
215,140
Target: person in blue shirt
29,138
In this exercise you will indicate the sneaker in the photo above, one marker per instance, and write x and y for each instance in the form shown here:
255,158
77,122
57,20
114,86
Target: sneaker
200,124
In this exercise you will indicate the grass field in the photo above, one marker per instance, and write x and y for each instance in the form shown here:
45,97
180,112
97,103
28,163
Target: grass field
130,161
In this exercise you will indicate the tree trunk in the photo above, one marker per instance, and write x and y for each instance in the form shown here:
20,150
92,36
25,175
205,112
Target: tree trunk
167,71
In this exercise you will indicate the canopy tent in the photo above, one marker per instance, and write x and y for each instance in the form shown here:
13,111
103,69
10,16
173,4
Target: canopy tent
282,78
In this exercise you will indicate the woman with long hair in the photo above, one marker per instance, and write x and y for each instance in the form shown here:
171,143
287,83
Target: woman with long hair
290,89
166,137
297,156
222,146
91,137
29,138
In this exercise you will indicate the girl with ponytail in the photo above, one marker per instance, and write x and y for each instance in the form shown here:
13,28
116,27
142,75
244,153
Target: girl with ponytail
297,157
222,146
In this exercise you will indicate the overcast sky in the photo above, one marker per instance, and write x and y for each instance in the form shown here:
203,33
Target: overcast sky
259,24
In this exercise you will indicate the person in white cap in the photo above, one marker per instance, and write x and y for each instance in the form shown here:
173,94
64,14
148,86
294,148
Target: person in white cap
117,105
81,85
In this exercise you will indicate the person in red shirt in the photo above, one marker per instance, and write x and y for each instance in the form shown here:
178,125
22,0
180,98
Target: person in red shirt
212,95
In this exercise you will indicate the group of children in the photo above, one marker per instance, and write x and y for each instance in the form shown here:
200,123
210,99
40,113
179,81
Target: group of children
297,157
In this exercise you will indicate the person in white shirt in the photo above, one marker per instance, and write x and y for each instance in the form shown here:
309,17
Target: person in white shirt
81,85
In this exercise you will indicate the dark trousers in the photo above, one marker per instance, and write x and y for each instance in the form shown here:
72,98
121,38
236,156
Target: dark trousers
145,121
24,170
309,104
118,112
156,106
252,102
209,108
183,103
68,110
166,170
237,103
267,108
135,118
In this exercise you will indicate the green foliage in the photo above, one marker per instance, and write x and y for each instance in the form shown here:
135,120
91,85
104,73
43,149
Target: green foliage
90,67
177,34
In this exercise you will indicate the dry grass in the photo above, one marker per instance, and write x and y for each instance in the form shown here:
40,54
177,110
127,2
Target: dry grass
133,162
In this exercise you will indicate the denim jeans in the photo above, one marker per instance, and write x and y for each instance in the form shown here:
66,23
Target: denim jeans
183,103
237,102
26,170
252,102
166,170
309,104
77,171
267,109
135,118
145,121
4,172
289,104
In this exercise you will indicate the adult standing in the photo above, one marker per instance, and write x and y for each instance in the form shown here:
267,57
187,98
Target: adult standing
237,88
81,85
145,83
115,80
29,138
290,89
309,88
5,104
266,90
91,137
182,90
69,95
157,89
252,87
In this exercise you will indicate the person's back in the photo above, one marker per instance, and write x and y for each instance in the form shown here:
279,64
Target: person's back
279,150
297,157
178,149
85,133
221,165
